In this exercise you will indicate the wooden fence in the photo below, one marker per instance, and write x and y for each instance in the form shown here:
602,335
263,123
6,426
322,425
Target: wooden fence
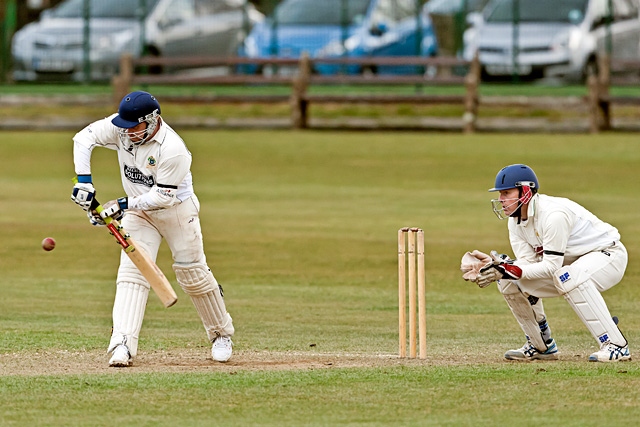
300,78
611,72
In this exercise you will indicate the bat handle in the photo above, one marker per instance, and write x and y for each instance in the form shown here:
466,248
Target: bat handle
95,204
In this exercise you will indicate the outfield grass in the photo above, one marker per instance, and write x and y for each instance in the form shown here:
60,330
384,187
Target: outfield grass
300,228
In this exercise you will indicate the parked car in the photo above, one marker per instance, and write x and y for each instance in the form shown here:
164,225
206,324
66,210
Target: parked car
324,29
554,37
53,47
449,21
451,7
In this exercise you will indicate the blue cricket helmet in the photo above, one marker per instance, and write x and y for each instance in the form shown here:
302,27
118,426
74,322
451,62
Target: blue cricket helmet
135,108
514,176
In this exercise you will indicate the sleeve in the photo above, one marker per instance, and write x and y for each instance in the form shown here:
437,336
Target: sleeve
100,133
555,235
171,172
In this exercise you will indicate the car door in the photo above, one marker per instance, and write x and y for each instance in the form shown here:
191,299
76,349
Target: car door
625,29
393,28
182,29
224,26
623,35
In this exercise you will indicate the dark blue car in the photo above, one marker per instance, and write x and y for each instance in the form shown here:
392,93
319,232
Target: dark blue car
343,28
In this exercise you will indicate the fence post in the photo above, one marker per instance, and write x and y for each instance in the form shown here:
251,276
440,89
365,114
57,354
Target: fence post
604,81
8,23
298,101
122,81
594,103
471,82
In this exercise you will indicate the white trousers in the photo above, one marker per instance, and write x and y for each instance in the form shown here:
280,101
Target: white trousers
580,281
604,268
180,227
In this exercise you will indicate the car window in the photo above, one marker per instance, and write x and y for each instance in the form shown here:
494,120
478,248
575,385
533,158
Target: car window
180,10
624,9
102,8
539,11
405,9
391,11
383,12
211,7
600,11
327,12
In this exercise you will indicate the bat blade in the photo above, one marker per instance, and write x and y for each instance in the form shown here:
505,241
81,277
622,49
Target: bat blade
147,267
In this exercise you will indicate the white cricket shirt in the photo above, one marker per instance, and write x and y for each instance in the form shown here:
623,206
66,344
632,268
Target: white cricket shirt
155,175
556,232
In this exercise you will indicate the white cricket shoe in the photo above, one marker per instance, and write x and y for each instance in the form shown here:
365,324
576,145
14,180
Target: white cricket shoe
120,357
222,349
611,353
529,352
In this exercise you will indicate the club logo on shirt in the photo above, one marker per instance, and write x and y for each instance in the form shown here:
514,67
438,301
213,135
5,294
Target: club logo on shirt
151,162
137,177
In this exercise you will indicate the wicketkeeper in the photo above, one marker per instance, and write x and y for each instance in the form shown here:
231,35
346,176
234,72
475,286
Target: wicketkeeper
159,203
560,248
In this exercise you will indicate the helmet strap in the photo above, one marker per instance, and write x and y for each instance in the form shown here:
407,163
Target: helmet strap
521,197
525,194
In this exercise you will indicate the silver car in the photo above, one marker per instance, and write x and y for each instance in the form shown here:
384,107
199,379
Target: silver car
54,48
554,38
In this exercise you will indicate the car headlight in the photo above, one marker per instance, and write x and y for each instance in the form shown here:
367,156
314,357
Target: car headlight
333,48
568,40
336,47
122,41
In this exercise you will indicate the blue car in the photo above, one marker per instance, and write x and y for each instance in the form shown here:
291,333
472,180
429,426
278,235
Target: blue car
342,28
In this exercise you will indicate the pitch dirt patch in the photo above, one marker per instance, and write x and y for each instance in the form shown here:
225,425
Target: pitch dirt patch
30,363
198,360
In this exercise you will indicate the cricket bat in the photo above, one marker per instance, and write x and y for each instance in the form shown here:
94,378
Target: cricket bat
141,259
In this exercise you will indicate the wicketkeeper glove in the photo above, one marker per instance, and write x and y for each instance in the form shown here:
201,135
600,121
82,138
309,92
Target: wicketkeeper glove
501,267
471,264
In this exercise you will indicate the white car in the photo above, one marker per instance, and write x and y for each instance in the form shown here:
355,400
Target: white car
54,48
553,38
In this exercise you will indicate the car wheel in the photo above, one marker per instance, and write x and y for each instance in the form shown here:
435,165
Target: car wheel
369,71
154,69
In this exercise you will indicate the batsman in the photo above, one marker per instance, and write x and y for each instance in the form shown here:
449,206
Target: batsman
160,203
561,249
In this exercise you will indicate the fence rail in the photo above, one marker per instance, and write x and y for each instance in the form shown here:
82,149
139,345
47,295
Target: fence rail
300,78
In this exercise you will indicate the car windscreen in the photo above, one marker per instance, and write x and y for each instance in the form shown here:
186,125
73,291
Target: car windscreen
539,11
323,12
103,8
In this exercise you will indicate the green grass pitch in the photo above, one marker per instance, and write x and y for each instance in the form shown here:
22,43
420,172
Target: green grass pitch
300,229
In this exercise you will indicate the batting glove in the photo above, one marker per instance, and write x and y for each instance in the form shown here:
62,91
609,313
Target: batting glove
95,218
115,208
83,192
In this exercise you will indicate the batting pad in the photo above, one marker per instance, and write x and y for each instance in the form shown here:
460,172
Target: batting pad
526,317
591,308
198,282
128,312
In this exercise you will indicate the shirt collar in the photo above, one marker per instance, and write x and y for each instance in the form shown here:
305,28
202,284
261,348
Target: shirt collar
159,136
533,205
